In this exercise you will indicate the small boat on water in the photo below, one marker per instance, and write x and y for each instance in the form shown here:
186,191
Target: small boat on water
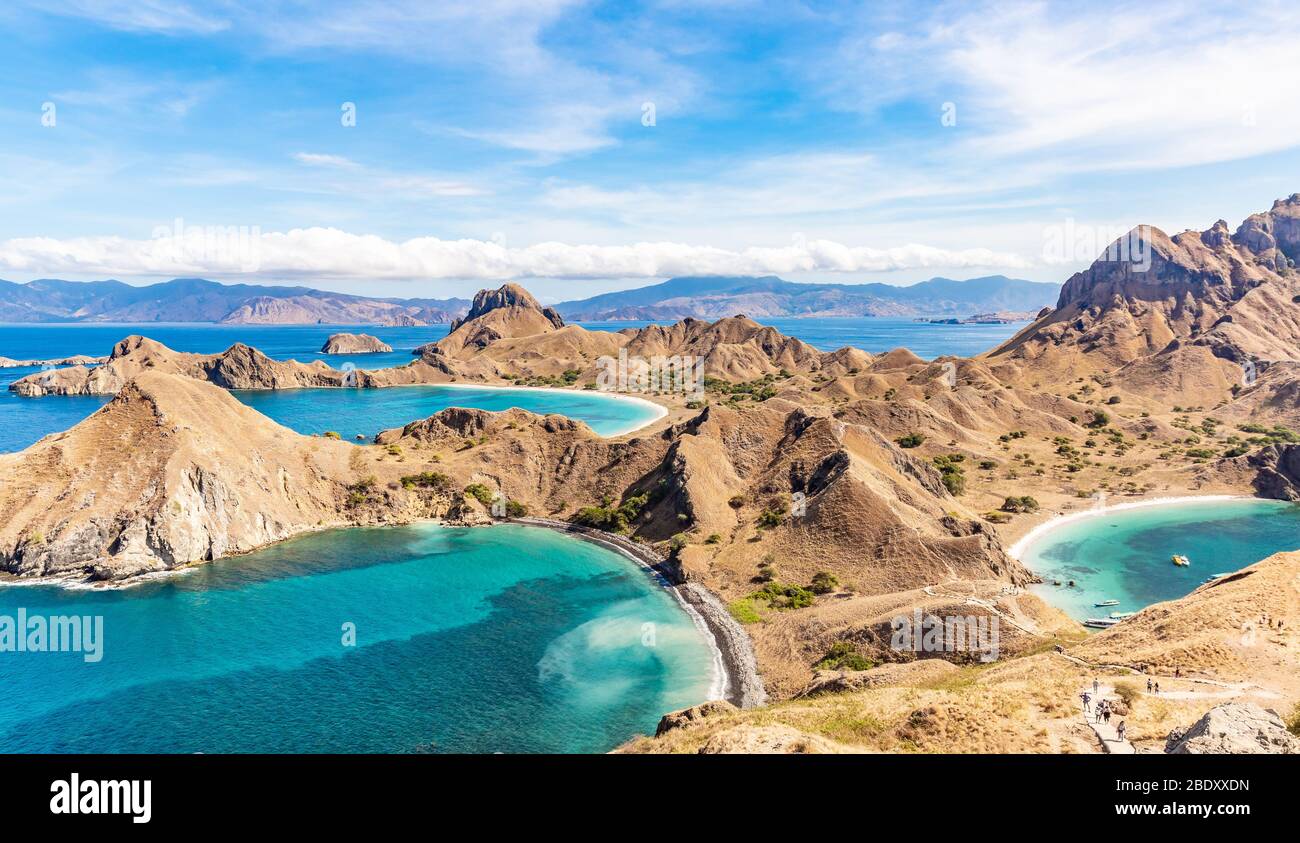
1107,603
1213,578
1101,623
1180,561
1119,616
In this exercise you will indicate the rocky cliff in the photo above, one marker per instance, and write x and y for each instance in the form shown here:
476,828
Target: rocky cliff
1153,307
354,344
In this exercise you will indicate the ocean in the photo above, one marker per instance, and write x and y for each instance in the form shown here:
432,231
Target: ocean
501,639
1125,554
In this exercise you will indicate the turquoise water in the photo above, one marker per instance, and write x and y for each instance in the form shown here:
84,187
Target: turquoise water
349,412
1125,555
501,639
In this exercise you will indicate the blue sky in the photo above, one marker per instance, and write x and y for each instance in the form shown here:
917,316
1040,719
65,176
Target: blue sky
499,140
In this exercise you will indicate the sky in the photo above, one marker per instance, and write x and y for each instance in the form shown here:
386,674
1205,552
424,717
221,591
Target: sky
430,149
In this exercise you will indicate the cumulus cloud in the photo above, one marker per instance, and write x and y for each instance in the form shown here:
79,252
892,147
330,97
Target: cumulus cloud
329,253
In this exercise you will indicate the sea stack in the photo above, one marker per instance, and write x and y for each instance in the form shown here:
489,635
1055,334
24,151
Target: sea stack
354,344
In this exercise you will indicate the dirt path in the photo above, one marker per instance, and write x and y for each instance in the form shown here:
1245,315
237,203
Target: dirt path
1106,732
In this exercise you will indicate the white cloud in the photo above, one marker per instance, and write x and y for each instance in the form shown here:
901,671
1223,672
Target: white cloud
328,253
1087,86
320,159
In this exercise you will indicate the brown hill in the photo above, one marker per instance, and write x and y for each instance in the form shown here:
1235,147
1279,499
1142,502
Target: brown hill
1153,306
238,367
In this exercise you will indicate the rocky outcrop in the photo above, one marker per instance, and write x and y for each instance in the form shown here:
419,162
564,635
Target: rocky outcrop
507,296
1277,471
1234,729
1206,301
687,717
354,344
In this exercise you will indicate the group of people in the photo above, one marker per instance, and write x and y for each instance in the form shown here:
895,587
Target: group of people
1102,712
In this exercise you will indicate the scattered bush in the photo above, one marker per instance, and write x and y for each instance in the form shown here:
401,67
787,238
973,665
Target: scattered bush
614,519
824,582
784,597
1020,504
844,656
911,440
427,480
480,493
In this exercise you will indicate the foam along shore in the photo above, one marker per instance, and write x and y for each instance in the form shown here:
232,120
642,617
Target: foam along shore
659,410
736,676
1017,550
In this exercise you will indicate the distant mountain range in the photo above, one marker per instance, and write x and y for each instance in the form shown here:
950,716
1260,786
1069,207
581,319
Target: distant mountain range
198,300
715,297
711,297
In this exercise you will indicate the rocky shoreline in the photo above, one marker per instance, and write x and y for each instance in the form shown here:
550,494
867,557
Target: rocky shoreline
742,686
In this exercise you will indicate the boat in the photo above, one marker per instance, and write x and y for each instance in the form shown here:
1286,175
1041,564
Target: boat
1107,603
1213,577
1180,561
1119,616
1101,623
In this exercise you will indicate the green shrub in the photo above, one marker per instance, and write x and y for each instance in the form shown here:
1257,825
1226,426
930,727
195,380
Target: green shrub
783,597
515,509
614,519
714,538
824,582
480,493
427,480
743,611
844,656
1020,504
911,440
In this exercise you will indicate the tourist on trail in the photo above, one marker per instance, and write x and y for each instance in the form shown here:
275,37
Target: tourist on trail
1148,684
1157,687
1106,715
1120,730
1086,699
1096,687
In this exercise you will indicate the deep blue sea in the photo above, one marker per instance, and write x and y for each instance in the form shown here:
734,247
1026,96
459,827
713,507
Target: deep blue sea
499,639
24,420
1125,555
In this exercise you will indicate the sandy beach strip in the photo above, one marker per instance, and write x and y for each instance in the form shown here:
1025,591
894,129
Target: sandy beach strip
1016,550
